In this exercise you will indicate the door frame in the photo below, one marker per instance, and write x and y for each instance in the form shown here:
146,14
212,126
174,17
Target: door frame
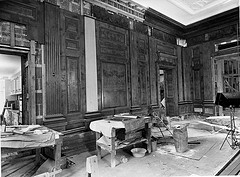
173,68
24,54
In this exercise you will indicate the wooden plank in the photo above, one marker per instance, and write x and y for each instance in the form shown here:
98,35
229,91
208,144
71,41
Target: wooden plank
218,126
31,84
43,83
153,72
15,166
232,166
24,169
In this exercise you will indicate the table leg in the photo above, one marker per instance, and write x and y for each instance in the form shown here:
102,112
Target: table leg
98,148
57,153
113,150
113,158
148,136
38,157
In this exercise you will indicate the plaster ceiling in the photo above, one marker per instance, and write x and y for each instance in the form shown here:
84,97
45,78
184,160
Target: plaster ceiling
9,65
189,11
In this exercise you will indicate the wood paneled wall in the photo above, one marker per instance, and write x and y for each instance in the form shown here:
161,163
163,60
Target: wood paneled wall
53,60
129,54
72,68
113,67
140,90
201,38
28,13
65,68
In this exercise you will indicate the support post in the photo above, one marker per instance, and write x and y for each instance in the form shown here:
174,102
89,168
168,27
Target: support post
92,166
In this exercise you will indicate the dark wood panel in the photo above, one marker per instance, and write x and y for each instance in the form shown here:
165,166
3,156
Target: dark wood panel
72,68
197,85
153,72
139,70
73,85
219,25
113,19
112,42
25,13
163,23
185,108
180,73
171,92
113,68
208,49
52,60
114,85
187,74
142,83
197,74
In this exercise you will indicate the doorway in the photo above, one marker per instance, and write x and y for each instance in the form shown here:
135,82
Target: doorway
161,96
12,99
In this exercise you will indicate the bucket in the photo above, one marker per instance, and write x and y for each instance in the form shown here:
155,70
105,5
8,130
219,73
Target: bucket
180,136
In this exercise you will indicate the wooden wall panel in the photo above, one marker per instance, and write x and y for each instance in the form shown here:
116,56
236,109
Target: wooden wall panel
52,60
170,96
187,74
207,74
153,72
186,93
25,13
180,74
135,101
72,84
114,87
139,70
198,88
113,68
73,69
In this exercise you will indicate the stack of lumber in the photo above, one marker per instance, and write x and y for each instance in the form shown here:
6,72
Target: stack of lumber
21,166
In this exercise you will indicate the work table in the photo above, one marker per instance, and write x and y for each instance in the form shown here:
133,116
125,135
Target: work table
107,131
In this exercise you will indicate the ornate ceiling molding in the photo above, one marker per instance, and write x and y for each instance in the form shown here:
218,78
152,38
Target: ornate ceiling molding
196,6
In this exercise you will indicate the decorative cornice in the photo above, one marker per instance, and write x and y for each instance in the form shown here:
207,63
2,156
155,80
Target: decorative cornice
126,8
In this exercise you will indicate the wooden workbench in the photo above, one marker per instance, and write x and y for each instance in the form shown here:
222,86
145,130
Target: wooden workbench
107,129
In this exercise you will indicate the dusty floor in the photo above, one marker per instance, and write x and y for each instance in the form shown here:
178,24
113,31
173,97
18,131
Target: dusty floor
204,159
